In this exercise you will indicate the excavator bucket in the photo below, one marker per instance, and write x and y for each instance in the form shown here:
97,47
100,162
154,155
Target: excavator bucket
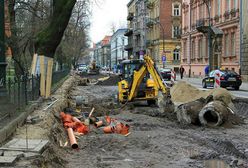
165,103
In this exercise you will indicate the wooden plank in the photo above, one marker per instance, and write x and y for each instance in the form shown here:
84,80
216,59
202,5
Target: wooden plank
34,62
42,76
49,77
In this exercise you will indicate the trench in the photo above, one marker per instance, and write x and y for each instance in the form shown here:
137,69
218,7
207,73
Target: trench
101,150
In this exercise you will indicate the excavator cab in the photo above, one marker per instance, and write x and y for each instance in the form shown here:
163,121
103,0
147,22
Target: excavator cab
137,83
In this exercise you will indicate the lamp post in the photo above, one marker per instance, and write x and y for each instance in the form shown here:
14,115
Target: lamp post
208,4
163,54
3,63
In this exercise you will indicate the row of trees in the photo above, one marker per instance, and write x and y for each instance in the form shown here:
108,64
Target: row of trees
54,28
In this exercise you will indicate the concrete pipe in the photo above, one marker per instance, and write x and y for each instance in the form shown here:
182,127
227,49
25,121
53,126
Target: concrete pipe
213,114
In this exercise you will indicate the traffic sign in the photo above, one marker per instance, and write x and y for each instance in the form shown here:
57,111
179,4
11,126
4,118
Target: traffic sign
163,58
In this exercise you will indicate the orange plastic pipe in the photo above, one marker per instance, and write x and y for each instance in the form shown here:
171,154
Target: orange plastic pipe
72,138
75,119
98,124
108,129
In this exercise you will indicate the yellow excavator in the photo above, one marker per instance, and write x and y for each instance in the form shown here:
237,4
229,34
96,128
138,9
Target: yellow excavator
140,80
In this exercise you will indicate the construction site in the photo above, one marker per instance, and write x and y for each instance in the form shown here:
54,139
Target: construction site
149,136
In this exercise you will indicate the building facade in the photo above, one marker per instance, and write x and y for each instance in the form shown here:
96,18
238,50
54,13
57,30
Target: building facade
118,42
102,51
244,39
105,51
221,19
154,27
136,28
163,32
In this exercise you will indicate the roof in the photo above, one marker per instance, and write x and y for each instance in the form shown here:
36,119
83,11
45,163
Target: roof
105,40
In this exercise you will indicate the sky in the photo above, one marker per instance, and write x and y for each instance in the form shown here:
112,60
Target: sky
105,14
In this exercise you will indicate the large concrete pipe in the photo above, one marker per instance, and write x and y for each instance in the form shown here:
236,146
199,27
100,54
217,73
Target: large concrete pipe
188,113
214,114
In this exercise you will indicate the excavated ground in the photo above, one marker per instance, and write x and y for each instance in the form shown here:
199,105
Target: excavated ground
155,140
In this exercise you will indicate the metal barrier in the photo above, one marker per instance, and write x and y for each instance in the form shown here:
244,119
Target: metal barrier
21,92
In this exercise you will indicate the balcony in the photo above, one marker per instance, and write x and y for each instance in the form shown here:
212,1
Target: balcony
226,15
130,16
217,18
176,62
129,32
149,4
128,47
150,24
148,43
234,12
202,25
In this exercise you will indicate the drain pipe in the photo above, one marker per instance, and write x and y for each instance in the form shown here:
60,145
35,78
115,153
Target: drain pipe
72,138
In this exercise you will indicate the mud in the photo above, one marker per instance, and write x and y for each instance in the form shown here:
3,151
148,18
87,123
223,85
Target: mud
156,140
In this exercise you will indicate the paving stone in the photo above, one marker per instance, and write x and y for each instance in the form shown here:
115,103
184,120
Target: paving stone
31,155
7,160
34,145
17,154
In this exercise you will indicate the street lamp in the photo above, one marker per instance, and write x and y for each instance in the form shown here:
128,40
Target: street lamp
208,4
162,28
3,63
163,54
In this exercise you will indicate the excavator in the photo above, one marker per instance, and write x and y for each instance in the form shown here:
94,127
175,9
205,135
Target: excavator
141,81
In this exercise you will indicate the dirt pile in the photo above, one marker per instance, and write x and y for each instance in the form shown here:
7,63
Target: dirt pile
111,81
183,92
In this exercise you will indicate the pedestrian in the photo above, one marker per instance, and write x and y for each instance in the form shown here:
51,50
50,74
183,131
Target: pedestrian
181,70
206,70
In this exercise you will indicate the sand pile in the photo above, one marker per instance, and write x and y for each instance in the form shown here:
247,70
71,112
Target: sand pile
183,92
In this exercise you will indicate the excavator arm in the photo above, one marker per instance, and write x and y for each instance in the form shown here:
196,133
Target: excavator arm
138,76
151,68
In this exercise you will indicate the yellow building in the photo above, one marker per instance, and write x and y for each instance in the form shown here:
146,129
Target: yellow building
163,31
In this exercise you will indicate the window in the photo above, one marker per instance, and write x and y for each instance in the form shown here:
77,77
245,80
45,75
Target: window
233,44
176,31
226,45
200,48
184,49
193,49
176,55
176,10
228,5
217,9
235,4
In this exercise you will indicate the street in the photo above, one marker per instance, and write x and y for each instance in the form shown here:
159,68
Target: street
197,82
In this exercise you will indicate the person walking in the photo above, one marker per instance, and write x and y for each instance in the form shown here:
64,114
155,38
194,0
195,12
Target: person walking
206,70
181,70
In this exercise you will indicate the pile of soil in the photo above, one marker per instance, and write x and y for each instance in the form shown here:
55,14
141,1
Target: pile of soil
183,92
111,81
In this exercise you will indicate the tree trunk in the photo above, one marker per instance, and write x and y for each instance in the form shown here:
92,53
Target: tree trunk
48,39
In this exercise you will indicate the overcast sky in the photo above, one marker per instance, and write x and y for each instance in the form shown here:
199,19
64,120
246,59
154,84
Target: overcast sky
105,14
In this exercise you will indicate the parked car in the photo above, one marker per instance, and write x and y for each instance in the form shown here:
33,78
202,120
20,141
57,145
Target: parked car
166,73
228,78
82,68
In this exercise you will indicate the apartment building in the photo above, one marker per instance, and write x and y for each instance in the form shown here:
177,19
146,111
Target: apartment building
244,39
164,31
136,28
118,42
221,19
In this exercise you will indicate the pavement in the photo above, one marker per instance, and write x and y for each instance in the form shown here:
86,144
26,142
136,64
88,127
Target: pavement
197,82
